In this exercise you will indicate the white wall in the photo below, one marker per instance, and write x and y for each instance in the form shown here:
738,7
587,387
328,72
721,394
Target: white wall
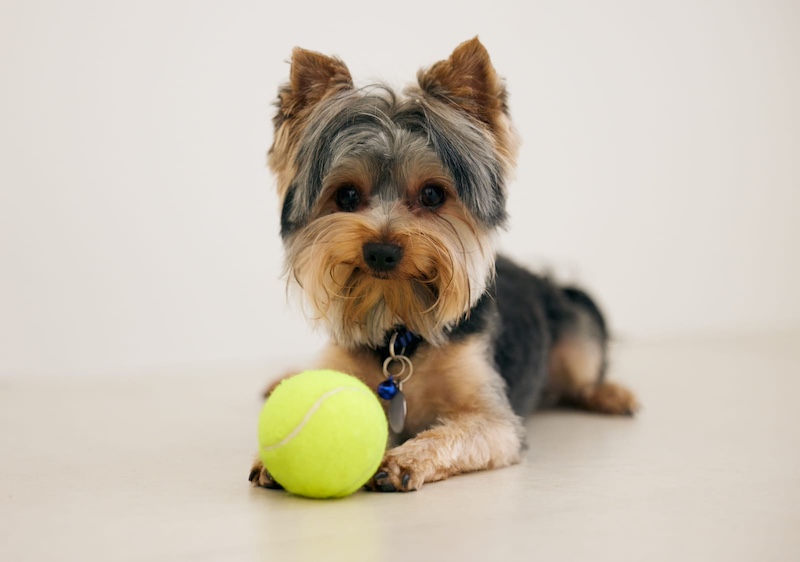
138,224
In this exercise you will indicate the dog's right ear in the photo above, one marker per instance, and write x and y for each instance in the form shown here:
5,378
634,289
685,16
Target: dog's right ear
313,76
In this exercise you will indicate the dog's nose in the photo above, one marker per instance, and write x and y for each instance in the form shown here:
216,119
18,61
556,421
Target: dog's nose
382,257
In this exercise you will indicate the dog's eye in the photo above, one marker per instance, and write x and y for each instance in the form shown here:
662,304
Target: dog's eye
431,196
348,198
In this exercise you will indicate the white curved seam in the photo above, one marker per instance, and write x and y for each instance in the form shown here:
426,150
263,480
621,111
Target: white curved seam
316,406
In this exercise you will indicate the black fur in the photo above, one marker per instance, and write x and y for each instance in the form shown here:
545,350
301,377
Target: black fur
288,226
527,314
534,314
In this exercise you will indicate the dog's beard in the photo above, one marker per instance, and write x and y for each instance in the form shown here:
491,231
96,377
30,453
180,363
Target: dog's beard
446,265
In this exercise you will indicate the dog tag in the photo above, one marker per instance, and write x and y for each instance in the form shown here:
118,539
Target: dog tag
397,412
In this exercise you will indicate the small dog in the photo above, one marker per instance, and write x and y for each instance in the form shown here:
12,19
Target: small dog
391,205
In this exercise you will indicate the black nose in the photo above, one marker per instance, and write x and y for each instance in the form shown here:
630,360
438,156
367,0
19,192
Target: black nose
382,257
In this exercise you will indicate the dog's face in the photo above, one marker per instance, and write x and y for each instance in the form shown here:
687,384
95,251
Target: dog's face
391,201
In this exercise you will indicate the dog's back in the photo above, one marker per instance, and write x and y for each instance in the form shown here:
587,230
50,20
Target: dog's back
551,341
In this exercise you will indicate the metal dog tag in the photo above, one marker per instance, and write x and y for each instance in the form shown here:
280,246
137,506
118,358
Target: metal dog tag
397,412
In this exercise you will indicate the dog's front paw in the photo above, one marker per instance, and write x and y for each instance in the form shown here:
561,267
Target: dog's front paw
259,476
400,471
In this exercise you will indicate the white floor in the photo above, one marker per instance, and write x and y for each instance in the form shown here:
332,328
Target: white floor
155,468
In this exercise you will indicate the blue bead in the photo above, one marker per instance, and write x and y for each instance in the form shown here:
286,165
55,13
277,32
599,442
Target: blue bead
387,389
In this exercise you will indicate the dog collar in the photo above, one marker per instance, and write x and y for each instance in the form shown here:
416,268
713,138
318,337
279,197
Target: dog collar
406,343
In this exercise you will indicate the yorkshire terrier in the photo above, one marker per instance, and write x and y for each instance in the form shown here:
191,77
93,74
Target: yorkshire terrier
391,203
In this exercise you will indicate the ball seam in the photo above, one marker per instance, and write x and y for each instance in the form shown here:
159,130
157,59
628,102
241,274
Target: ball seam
314,407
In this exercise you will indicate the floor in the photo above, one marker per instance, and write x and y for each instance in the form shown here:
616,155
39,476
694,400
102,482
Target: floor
155,468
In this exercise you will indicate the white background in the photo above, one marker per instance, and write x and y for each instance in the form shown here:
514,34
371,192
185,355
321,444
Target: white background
138,223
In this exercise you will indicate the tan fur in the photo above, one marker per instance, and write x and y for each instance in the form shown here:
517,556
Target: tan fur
609,398
575,367
281,156
430,288
575,364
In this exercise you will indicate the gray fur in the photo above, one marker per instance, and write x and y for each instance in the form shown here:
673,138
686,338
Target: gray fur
389,136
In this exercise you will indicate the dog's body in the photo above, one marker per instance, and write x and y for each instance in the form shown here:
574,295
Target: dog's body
390,209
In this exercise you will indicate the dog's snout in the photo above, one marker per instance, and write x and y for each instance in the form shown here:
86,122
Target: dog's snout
382,257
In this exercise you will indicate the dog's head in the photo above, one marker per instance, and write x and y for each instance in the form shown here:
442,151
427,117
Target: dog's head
391,201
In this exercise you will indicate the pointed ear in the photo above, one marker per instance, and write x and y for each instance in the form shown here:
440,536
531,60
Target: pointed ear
468,80
312,77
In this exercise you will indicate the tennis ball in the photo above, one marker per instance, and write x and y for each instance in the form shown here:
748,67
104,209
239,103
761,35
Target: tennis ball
322,434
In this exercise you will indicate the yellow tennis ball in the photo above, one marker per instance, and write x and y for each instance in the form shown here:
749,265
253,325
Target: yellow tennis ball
322,434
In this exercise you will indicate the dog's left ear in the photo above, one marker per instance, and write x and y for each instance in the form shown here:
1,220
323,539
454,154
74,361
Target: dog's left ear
468,80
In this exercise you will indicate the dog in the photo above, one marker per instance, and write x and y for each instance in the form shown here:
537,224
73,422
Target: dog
391,205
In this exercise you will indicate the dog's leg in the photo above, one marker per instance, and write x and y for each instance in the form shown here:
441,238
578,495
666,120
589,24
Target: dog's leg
577,377
462,419
464,443
259,476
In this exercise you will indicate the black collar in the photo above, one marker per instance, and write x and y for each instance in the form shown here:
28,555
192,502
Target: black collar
406,343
